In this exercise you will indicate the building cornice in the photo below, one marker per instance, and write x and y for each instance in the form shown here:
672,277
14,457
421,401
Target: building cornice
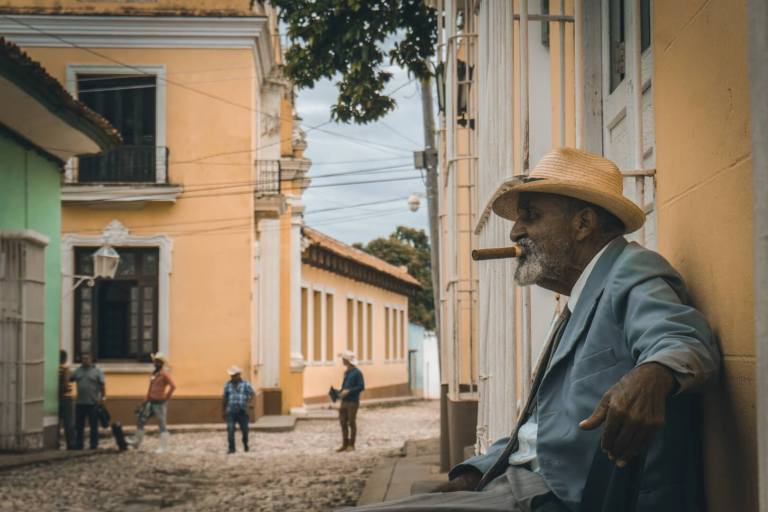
66,31
109,195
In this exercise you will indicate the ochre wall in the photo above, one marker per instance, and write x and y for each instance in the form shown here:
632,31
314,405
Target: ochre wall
211,228
378,373
705,203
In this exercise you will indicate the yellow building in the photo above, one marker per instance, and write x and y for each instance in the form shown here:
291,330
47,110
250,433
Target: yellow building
351,300
661,88
202,202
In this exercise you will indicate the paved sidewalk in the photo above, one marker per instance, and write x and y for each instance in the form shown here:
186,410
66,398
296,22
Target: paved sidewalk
394,476
14,460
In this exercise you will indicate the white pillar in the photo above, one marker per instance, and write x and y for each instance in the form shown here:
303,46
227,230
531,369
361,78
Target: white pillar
297,359
269,300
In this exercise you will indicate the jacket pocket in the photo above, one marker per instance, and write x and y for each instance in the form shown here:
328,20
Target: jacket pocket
593,363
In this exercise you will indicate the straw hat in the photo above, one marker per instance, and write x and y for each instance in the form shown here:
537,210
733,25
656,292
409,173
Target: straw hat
159,356
572,173
234,370
349,356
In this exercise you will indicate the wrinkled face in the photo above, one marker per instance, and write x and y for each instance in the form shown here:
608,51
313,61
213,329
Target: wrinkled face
543,230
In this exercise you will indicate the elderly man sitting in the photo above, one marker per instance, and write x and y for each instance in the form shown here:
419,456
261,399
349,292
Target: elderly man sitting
627,355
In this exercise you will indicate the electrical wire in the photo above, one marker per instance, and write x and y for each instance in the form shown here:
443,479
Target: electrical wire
204,93
247,218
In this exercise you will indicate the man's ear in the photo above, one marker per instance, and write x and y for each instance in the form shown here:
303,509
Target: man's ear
584,223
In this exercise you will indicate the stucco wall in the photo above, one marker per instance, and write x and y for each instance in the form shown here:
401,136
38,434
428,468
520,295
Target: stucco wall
211,224
378,373
29,199
705,214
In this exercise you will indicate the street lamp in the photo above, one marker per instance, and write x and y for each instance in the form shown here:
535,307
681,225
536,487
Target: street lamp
105,262
414,201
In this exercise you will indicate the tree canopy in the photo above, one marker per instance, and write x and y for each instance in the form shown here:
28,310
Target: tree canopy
409,247
352,39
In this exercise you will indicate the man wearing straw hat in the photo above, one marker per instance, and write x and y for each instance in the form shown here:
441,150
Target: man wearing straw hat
611,422
160,390
238,394
351,387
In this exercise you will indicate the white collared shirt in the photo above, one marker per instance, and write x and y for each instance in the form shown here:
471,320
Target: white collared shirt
526,437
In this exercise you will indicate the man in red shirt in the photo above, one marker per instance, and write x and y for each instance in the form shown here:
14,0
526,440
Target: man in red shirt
161,388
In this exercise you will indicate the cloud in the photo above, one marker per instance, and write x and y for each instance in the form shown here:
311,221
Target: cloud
388,143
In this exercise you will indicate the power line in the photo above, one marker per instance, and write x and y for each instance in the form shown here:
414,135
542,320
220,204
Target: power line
195,195
364,141
246,218
383,201
340,162
140,71
402,136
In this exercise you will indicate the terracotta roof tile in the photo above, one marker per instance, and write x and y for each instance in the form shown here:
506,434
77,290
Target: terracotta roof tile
362,257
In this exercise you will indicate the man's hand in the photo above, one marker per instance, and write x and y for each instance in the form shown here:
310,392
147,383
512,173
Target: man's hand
467,481
633,410
344,393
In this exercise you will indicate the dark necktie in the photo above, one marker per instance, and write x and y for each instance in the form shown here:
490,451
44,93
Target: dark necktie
544,361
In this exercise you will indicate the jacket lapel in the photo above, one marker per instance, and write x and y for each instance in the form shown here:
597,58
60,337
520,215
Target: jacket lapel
587,303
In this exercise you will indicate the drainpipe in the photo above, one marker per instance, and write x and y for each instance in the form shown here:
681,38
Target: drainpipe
757,19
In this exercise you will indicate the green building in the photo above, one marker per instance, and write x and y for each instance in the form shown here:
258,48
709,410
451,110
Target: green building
41,128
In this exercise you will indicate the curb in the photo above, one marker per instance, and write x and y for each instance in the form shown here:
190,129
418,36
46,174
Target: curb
49,457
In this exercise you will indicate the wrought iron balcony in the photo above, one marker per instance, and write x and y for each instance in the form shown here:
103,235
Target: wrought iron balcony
268,177
126,164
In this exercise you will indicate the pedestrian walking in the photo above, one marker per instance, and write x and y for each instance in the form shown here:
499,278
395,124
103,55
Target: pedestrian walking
238,394
159,392
351,387
65,403
91,391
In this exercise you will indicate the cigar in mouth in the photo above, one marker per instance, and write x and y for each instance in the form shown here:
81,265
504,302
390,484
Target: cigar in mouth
497,253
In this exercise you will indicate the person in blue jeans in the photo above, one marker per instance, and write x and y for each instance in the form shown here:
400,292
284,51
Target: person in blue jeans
351,387
235,405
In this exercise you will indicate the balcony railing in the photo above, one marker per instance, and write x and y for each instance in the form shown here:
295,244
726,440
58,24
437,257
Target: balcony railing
126,164
268,177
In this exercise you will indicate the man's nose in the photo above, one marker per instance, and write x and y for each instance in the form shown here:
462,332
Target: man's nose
518,232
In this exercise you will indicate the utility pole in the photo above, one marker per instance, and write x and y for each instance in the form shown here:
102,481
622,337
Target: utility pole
428,160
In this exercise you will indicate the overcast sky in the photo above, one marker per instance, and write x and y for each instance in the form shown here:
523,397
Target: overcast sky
384,147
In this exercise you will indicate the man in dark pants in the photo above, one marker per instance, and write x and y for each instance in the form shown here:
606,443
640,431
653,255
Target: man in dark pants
351,387
234,408
90,393
65,401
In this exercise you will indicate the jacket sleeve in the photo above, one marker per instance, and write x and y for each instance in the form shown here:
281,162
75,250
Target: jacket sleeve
659,327
482,462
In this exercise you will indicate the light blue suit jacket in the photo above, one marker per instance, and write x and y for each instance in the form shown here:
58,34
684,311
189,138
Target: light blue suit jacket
634,309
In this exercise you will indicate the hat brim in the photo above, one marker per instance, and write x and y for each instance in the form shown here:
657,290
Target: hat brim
504,202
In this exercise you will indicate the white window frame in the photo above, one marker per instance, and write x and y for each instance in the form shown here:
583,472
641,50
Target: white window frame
117,235
399,311
326,359
157,70
365,357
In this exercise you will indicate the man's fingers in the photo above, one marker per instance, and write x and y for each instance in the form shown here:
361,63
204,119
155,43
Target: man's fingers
613,423
621,450
597,417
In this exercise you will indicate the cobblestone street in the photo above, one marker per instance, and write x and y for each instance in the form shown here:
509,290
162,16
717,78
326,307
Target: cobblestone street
298,470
